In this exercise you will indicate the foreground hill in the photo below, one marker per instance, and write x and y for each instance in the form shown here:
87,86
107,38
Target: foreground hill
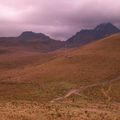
89,35
80,83
90,64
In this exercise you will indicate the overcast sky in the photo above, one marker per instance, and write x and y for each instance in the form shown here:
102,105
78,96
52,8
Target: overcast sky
59,19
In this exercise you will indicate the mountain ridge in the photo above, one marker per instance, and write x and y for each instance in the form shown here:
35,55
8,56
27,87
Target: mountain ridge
40,42
86,36
32,41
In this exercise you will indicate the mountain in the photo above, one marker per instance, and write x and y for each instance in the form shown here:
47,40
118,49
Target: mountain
29,35
86,36
29,41
39,41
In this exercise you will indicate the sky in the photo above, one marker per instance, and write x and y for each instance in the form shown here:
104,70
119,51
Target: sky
60,19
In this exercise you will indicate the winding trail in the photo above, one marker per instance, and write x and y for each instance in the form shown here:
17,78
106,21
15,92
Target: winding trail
77,91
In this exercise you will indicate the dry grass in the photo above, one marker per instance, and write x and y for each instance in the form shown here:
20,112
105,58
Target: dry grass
59,111
31,80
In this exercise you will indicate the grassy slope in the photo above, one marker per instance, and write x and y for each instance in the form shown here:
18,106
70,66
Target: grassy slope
51,76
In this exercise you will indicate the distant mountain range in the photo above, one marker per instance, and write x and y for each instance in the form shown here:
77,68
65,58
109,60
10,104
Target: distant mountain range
31,41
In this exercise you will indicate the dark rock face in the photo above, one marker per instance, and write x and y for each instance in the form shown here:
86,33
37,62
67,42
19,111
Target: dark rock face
103,30
28,35
86,36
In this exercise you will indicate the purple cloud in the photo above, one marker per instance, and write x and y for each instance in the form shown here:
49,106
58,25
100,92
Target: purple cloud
59,19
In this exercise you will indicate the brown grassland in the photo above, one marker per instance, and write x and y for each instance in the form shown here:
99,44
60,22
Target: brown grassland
30,83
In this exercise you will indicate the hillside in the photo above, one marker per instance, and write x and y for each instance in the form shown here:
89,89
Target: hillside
79,83
92,63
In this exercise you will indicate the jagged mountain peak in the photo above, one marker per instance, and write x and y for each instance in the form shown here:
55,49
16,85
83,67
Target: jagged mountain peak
106,26
86,36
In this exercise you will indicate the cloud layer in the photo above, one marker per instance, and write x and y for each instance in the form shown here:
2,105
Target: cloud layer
59,19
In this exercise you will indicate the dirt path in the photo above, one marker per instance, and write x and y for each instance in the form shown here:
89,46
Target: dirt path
78,91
